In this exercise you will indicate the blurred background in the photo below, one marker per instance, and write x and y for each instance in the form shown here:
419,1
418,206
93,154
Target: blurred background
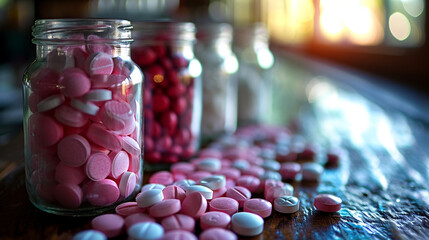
386,38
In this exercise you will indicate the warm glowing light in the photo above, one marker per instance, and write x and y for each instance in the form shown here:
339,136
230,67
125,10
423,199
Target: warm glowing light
331,18
358,21
399,26
413,7
158,78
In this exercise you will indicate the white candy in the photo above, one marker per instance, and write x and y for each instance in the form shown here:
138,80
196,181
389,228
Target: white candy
271,175
185,183
214,182
89,235
149,197
286,190
272,165
241,164
145,231
150,186
98,95
247,224
209,165
86,107
131,146
205,191
311,171
50,102
286,204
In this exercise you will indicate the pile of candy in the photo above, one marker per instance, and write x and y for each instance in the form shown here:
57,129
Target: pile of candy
215,190
83,131
168,103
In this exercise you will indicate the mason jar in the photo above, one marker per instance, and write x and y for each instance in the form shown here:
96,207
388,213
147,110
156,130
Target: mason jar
82,117
219,63
172,93
251,45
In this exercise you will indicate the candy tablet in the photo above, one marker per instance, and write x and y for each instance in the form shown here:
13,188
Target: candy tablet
219,192
247,224
102,193
178,222
194,205
109,224
286,204
217,234
182,167
74,150
311,171
128,208
152,186
68,195
99,63
45,82
290,170
137,218
205,191
98,134
149,198
131,146
70,116
258,206
162,177
241,194
213,182
45,131
127,184
106,81
179,235
165,208
224,204
145,231
89,235
69,175
174,192
74,83
85,107
185,183
116,115
120,163
50,102
209,165
98,95
271,165
98,166
214,219
250,182
327,203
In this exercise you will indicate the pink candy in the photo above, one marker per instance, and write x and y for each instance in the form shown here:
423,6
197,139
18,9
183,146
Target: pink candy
84,106
327,203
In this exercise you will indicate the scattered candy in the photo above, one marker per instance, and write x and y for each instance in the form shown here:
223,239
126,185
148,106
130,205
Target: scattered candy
327,203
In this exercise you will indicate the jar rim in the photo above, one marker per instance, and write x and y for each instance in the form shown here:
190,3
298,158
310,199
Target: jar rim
164,31
52,30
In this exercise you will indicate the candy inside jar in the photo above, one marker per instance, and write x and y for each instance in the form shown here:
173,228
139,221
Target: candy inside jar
172,93
82,119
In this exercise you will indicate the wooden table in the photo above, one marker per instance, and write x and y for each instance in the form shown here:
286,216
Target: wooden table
382,199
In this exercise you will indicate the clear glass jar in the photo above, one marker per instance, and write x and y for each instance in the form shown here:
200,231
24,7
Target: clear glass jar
251,44
172,93
219,64
82,117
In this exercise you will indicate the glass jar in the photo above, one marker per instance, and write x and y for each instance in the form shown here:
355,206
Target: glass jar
219,64
254,75
82,117
172,93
